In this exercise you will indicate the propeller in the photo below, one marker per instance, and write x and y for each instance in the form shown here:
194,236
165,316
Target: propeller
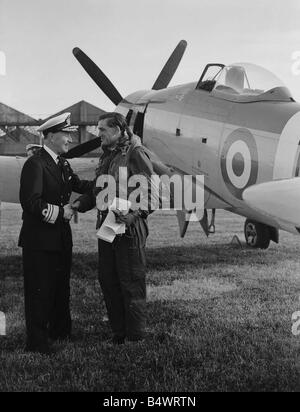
98,76
112,93
170,67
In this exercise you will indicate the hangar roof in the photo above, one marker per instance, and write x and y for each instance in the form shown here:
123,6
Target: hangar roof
12,117
82,113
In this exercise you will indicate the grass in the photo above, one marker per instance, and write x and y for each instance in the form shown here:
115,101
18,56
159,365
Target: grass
220,316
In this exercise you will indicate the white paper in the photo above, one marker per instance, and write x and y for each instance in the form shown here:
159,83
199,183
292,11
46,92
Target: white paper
110,228
106,234
111,223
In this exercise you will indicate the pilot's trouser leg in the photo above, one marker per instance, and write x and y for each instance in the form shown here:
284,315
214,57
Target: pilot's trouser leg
39,287
60,321
110,285
131,269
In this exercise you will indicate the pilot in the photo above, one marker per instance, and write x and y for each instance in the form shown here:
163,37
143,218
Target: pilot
122,263
47,182
32,149
235,78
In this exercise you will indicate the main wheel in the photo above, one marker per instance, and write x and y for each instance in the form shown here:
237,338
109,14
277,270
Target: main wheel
257,234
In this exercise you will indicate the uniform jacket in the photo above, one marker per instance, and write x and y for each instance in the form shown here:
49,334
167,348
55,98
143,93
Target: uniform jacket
133,157
43,193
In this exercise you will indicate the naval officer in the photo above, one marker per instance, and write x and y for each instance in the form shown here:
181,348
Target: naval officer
47,182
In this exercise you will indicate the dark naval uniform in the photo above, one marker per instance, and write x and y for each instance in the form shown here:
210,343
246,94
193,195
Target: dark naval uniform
122,264
46,240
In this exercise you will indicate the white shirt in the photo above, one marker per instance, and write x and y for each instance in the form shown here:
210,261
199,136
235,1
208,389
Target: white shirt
52,154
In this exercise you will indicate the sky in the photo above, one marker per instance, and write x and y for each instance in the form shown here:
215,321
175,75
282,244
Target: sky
130,40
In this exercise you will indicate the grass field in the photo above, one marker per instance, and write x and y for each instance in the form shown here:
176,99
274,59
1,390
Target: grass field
220,316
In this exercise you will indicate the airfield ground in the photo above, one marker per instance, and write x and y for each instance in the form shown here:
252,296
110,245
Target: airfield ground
220,316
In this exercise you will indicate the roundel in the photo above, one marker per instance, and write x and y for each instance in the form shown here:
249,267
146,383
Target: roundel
239,161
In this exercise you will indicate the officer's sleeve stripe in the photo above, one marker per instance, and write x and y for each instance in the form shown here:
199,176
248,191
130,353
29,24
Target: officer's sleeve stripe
54,214
51,214
46,213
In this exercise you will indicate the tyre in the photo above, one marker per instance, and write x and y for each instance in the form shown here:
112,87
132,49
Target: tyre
257,234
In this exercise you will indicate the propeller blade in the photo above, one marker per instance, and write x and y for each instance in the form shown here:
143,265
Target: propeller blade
170,67
98,76
83,148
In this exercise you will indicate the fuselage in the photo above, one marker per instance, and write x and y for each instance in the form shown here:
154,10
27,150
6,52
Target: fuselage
234,144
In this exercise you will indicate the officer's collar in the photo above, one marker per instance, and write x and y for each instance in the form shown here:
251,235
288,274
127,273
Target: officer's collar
51,153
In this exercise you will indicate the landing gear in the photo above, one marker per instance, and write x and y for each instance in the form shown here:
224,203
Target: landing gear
258,235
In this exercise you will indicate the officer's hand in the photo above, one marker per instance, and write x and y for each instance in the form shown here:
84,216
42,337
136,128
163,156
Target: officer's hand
68,212
128,219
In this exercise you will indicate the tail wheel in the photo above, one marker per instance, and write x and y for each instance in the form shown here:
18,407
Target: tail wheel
257,234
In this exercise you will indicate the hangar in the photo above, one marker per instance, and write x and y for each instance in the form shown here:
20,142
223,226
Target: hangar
17,129
85,116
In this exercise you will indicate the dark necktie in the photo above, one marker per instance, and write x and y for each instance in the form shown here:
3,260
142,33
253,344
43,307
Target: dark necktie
62,168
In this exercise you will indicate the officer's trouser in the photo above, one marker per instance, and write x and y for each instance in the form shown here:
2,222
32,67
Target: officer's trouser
122,278
47,296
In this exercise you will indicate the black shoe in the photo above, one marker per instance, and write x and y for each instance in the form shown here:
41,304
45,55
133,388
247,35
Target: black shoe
118,340
44,350
138,338
142,336
66,338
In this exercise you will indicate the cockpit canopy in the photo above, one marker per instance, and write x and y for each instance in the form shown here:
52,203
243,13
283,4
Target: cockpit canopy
244,82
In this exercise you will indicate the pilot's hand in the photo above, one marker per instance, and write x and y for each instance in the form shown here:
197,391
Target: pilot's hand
128,219
68,212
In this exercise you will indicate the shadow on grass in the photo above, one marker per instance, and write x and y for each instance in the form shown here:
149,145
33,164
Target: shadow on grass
10,266
188,350
208,255
169,258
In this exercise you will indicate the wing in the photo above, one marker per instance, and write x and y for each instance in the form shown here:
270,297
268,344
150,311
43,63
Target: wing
279,200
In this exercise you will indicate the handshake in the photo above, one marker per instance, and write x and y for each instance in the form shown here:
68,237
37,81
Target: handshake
129,218
70,210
